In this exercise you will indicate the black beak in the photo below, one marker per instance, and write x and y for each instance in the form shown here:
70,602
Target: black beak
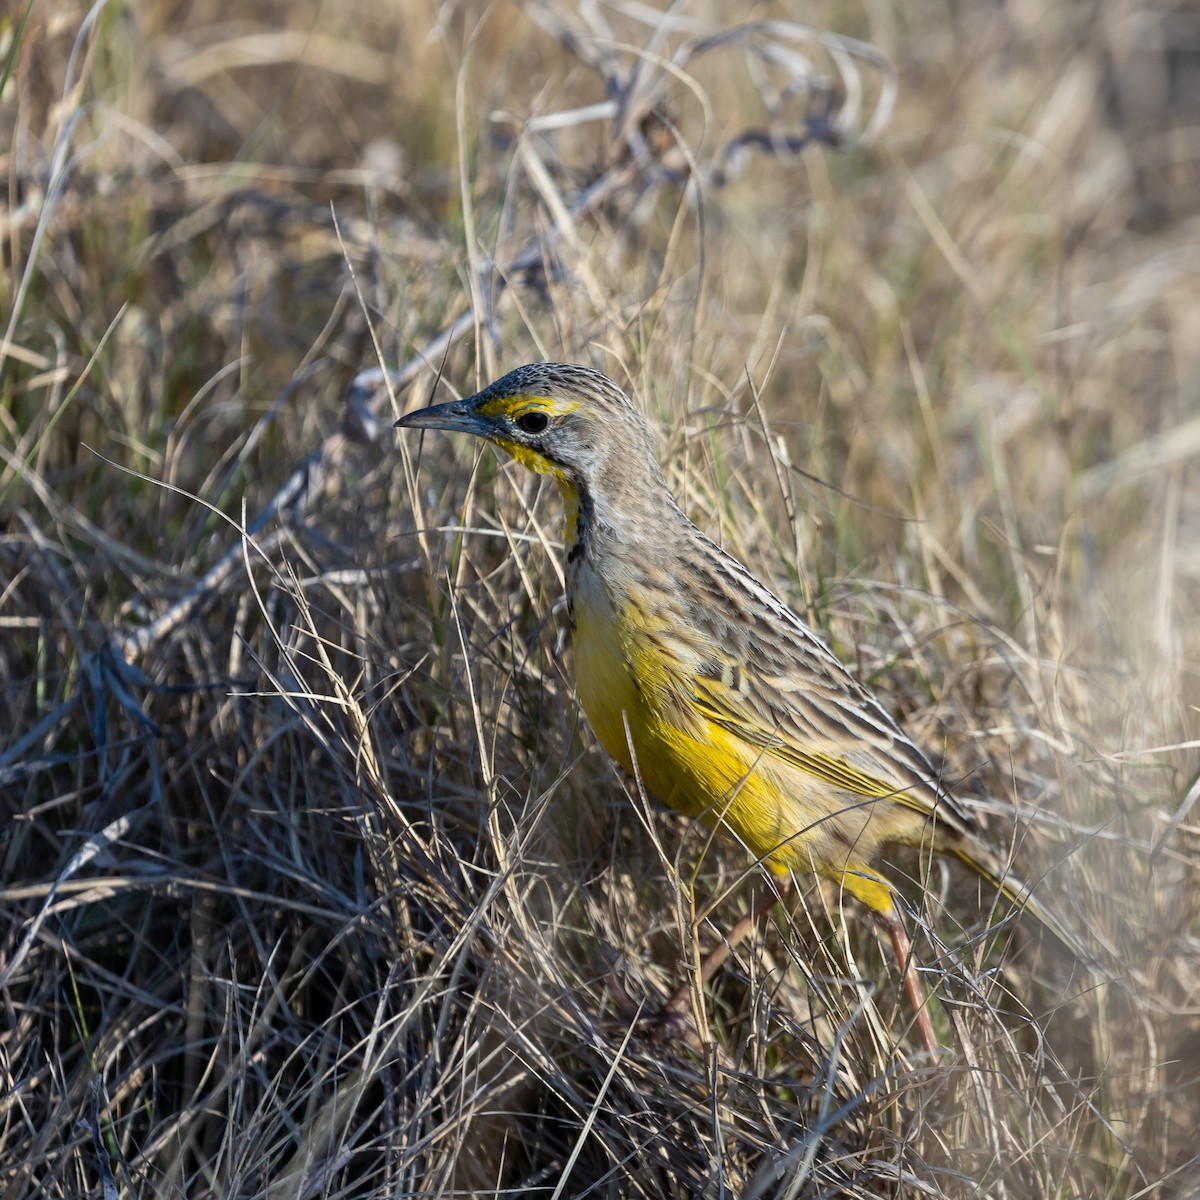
459,416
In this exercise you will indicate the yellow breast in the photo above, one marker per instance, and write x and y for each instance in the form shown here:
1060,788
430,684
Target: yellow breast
607,688
637,701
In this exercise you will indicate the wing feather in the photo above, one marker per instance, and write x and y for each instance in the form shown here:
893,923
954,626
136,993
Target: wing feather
769,680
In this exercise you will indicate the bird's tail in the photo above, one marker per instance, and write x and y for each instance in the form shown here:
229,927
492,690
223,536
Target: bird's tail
1019,893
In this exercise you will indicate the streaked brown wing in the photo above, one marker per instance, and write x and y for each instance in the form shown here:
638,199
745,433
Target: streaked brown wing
761,674
828,727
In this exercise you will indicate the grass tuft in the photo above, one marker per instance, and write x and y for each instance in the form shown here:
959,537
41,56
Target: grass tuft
316,883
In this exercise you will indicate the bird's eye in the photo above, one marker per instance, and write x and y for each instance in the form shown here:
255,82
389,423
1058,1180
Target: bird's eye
533,422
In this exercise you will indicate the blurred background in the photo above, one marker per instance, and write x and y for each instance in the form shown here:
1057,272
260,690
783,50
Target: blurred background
312,879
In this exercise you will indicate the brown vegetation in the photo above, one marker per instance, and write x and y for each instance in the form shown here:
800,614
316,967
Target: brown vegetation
313,883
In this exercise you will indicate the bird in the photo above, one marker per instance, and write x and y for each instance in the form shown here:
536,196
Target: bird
705,686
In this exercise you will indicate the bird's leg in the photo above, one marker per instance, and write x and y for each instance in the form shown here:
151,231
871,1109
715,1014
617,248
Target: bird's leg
893,922
675,1008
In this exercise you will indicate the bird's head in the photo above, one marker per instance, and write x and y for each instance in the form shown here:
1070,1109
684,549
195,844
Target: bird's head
558,419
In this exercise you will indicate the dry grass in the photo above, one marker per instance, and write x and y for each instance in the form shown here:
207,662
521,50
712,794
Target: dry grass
315,883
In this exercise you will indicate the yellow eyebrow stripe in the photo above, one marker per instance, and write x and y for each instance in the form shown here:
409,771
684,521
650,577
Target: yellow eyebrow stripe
514,406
